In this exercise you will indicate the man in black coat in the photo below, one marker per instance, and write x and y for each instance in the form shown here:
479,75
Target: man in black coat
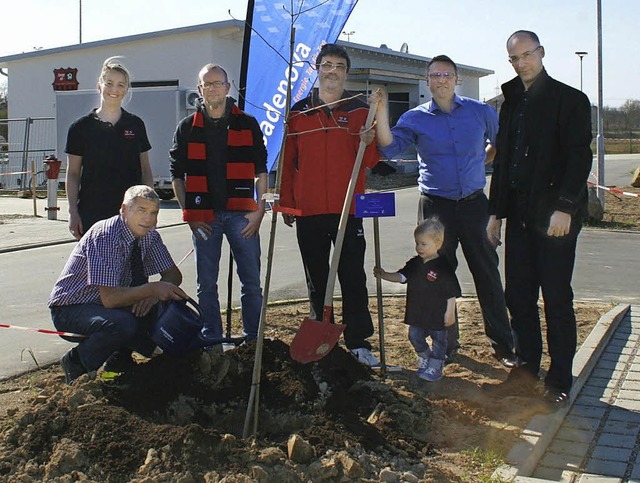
539,185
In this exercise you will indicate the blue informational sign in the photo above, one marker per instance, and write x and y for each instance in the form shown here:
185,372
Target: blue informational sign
374,205
316,22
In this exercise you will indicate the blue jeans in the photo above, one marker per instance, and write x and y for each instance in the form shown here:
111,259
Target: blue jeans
418,338
246,252
108,331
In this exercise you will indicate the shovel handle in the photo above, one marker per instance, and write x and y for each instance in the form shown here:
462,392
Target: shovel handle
344,216
327,313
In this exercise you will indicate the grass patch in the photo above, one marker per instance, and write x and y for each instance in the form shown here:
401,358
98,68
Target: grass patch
618,146
485,461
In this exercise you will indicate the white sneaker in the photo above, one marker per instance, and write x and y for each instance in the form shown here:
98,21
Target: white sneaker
422,363
365,357
433,371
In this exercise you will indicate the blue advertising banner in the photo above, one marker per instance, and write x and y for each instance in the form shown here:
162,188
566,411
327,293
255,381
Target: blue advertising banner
316,22
372,205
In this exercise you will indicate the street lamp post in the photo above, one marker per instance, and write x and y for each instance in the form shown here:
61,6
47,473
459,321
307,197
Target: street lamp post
581,55
348,34
600,137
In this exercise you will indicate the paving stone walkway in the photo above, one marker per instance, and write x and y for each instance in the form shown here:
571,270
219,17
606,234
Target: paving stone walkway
599,439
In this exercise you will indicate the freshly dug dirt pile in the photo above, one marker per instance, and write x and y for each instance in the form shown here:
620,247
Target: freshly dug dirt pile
184,417
181,420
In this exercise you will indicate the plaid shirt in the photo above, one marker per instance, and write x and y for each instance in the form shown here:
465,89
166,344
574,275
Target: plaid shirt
102,257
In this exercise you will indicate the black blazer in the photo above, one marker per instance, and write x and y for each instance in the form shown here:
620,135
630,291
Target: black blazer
558,127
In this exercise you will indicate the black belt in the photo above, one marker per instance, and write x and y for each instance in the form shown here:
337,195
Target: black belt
471,197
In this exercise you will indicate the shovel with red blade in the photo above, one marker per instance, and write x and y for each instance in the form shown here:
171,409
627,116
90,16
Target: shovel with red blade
314,338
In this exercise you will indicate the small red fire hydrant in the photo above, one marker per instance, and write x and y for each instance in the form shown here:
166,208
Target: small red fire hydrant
52,169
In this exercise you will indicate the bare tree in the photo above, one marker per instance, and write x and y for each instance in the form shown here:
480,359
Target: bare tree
631,111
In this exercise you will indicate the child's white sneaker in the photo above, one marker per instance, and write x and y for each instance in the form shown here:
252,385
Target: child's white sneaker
422,363
433,371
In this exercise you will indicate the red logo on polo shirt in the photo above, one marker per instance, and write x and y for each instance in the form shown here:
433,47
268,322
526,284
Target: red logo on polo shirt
432,275
129,134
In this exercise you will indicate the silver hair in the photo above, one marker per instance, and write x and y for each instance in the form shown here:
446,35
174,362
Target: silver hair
141,191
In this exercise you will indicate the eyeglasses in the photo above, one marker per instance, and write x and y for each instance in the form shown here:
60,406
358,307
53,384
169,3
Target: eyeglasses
441,75
213,85
525,56
330,66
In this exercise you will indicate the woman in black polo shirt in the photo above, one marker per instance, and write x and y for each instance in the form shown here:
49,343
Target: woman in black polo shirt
107,152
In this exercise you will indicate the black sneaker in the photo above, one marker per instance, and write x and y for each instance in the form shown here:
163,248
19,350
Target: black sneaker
71,367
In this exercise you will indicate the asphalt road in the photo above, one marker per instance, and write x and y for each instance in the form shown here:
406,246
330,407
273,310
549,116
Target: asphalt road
618,169
606,270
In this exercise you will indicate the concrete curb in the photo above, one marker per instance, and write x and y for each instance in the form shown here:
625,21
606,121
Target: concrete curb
35,245
48,243
524,456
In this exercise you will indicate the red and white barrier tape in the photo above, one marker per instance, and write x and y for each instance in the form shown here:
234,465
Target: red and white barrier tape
184,258
66,334
613,190
16,172
42,331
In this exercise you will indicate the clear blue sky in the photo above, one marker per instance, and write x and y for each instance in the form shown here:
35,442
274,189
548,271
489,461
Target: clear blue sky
471,32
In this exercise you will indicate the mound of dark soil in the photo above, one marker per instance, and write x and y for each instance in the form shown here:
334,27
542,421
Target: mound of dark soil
176,418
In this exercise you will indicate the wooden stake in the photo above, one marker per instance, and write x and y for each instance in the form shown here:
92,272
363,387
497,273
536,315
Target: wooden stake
33,188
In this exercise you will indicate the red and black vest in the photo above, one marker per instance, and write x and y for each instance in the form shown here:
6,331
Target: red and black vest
241,169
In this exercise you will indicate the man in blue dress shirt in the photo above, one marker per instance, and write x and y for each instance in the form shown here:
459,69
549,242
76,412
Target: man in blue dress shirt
454,137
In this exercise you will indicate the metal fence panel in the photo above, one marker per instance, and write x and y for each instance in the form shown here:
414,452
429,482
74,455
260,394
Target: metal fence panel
21,142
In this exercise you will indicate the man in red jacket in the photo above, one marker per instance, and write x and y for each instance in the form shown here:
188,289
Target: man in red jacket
320,150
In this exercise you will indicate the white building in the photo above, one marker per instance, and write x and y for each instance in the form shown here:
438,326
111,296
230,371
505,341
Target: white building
170,60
